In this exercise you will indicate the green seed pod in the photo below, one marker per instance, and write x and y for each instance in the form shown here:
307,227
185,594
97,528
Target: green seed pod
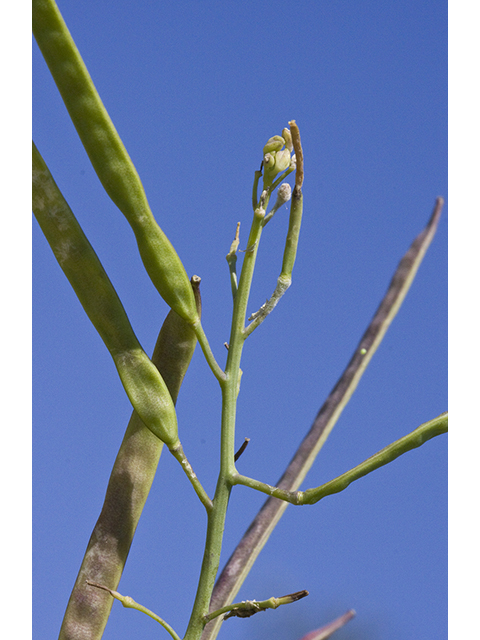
143,383
176,344
166,270
148,394
274,144
291,243
109,157
130,481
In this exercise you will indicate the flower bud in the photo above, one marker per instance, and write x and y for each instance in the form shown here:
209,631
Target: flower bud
274,144
287,136
276,159
282,160
284,193
283,196
269,161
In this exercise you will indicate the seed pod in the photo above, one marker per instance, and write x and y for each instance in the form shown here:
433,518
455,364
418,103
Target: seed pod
109,157
166,270
175,345
143,383
291,243
130,481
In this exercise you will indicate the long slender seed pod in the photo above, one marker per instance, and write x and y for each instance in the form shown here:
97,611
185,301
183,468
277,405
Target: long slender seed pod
110,158
416,438
291,243
142,382
296,207
88,608
289,255
297,146
236,569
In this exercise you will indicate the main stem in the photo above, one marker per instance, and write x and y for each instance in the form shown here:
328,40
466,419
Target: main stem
229,386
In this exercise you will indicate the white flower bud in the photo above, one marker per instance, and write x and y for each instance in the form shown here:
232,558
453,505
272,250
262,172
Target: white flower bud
284,194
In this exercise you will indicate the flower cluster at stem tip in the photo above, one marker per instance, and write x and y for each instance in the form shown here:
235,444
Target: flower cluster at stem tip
277,159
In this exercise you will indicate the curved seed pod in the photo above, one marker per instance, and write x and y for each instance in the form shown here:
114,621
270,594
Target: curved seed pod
109,157
142,381
132,475
148,394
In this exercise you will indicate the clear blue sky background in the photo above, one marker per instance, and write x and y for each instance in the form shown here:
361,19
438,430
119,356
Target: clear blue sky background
195,89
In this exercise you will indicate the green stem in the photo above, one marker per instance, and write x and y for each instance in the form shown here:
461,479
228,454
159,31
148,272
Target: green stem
415,439
249,607
282,177
208,353
130,603
232,261
282,494
258,175
244,556
179,455
229,386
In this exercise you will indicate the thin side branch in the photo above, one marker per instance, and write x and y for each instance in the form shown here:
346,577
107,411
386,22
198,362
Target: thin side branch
208,353
248,608
180,456
244,556
130,603
415,439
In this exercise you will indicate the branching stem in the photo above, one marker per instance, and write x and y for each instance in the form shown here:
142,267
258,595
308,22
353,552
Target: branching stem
229,386
242,559
179,455
130,603
411,441
248,608
208,353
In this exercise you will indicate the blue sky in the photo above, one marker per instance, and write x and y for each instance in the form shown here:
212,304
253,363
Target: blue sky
195,89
